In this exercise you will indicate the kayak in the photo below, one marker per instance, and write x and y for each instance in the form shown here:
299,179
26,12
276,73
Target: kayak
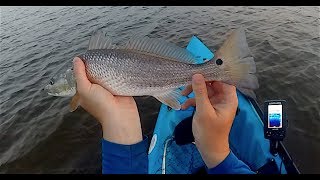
247,141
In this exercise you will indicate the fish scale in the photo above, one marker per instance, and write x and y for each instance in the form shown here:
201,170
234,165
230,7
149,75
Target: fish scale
140,74
153,67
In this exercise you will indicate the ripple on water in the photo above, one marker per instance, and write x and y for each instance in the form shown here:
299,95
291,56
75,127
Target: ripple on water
40,42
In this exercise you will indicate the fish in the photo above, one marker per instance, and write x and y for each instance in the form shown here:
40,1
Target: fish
154,67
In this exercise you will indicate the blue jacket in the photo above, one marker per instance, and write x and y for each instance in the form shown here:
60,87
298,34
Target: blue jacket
133,159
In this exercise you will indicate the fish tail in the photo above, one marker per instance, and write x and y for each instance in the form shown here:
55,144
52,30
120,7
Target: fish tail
240,64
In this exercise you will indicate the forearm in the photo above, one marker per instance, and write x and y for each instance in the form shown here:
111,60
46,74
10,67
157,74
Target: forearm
230,165
124,159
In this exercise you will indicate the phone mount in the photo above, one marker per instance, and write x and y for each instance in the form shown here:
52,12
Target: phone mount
274,146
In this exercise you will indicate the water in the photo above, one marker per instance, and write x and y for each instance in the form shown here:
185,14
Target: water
39,135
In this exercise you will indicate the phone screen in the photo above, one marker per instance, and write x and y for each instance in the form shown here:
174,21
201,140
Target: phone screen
275,116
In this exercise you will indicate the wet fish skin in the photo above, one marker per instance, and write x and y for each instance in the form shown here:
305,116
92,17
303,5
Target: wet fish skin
157,68
134,73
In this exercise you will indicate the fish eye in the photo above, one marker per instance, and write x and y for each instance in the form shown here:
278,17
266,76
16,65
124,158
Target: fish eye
219,61
51,82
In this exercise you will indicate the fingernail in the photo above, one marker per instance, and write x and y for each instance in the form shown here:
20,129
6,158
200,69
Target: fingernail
76,59
197,78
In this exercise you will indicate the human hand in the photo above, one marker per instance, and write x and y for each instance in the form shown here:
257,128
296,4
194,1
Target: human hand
118,115
216,104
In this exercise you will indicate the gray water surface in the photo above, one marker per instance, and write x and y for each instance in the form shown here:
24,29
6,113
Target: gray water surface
39,135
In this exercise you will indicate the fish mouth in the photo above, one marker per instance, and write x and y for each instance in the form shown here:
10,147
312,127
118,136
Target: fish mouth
48,89
65,93
61,85
62,89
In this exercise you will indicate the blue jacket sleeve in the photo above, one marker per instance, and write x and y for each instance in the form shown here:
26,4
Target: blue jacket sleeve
124,159
230,165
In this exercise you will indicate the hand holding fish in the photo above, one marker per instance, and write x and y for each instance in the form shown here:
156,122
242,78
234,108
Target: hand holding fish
216,104
109,75
118,115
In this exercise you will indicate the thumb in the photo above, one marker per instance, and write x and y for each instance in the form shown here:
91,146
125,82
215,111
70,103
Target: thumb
200,90
80,74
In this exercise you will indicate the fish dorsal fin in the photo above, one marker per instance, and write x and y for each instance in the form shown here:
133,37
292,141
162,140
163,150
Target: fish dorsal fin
170,98
99,41
161,48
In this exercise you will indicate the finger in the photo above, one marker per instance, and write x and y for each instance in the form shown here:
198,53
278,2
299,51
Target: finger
210,90
200,90
228,88
187,90
223,89
230,93
217,87
80,74
224,96
188,103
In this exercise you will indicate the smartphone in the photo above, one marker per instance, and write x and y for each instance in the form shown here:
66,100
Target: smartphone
275,119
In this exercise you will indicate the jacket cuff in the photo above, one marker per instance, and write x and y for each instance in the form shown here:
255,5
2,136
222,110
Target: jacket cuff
122,150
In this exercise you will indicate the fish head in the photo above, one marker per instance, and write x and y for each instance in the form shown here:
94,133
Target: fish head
62,84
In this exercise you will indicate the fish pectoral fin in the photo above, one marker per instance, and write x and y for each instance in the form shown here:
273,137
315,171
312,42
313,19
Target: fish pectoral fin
170,98
160,48
75,103
99,41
